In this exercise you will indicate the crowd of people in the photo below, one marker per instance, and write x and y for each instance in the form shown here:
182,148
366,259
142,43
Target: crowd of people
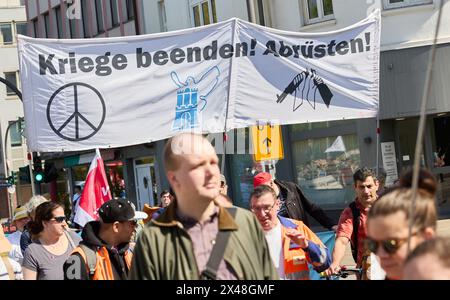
197,233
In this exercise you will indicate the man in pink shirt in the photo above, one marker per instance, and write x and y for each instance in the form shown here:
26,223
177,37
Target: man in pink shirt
366,186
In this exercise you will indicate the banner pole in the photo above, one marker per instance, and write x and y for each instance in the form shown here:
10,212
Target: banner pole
378,141
225,137
422,124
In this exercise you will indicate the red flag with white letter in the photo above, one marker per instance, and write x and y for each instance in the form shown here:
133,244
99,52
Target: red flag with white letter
95,192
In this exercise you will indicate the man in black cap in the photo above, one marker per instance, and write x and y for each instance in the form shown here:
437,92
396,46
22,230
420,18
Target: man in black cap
104,252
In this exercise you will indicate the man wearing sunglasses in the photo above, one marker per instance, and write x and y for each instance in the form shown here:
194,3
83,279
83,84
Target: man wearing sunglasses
352,228
292,244
104,252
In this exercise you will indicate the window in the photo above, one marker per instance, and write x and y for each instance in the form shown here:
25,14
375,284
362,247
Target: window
204,13
47,25
325,167
6,36
85,18
99,15
114,13
12,78
162,16
130,9
261,20
21,28
15,134
318,10
388,4
35,28
59,28
73,28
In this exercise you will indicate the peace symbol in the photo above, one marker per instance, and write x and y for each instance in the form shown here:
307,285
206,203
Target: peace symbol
77,118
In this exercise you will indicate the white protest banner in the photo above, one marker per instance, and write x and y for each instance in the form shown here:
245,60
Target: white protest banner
111,92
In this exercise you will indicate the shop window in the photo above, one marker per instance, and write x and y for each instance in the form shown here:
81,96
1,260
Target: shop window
318,125
114,173
325,167
441,152
79,174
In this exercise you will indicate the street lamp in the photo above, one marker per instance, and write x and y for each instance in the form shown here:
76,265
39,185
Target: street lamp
19,94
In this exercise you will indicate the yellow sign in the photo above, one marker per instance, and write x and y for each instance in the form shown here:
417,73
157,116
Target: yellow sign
267,142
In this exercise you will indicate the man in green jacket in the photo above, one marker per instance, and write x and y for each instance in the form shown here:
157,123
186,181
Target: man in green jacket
178,244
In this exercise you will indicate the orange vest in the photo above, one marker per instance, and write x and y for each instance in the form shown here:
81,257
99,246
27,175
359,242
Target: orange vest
103,268
295,258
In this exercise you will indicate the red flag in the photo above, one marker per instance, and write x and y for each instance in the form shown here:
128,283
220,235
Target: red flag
95,192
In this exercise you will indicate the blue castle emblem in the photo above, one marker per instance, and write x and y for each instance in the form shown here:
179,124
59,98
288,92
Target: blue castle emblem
192,98
186,111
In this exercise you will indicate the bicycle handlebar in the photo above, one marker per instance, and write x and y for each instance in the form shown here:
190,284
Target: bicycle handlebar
344,272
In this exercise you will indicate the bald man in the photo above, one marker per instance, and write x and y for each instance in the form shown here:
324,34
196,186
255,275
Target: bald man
178,245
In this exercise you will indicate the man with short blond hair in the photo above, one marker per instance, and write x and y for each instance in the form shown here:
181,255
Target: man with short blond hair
179,244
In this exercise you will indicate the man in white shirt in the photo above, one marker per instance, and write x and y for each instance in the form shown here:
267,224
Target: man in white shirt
20,219
292,245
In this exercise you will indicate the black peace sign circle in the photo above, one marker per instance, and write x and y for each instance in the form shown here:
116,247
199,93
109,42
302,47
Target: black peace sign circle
76,114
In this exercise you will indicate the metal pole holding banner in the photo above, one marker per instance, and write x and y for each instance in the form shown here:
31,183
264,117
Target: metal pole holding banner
378,142
225,137
422,123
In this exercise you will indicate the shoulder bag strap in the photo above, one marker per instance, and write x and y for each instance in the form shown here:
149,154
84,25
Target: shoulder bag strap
218,250
356,214
9,268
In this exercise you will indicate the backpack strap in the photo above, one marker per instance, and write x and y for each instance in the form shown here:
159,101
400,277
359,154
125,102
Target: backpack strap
70,239
356,213
9,268
91,258
218,250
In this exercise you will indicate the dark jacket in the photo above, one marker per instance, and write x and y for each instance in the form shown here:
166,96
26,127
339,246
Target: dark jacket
296,205
92,240
25,240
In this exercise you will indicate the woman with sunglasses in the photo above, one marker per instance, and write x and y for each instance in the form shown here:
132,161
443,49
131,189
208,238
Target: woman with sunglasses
52,244
388,227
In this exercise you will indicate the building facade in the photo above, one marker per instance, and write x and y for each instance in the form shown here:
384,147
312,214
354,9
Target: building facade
13,150
326,177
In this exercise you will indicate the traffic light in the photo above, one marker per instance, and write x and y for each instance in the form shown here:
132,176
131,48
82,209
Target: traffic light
10,180
50,172
38,172
24,174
